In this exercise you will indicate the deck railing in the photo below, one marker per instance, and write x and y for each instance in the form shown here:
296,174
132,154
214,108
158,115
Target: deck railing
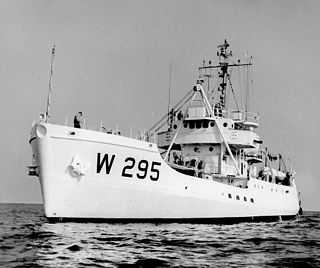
244,116
108,128
240,116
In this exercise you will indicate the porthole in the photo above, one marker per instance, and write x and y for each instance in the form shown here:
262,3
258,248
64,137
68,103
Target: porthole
225,124
196,149
229,195
185,125
212,124
175,126
210,149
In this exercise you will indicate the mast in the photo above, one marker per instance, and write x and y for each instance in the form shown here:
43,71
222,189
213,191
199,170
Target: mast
223,59
50,83
224,54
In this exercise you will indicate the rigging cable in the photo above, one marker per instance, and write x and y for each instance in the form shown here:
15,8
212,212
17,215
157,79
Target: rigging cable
235,99
162,121
252,87
213,92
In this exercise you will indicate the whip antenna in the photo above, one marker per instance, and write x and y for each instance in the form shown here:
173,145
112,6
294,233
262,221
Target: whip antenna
170,74
50,83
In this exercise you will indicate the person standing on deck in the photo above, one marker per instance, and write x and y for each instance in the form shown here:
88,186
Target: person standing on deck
77,121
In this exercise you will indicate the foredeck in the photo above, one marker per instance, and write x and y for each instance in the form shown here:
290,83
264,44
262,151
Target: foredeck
106,127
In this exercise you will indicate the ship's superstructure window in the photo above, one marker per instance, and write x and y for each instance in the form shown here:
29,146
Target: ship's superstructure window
251,200
210,149
225,124
229,195
196,124
245,199
237,197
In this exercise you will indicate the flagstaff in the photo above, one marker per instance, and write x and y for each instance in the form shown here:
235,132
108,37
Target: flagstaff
50,83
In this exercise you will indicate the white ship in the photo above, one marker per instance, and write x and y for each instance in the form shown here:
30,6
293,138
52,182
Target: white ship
201,163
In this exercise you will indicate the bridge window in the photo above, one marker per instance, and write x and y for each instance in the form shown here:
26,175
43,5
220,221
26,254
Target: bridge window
185,125
198,124
191,125
205,124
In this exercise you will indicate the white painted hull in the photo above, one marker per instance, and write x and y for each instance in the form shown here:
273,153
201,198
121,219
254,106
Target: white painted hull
98,195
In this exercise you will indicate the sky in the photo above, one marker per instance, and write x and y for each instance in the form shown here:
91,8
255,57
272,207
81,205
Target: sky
113,62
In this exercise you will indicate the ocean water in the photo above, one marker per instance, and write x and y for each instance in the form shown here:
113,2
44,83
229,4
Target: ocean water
28,240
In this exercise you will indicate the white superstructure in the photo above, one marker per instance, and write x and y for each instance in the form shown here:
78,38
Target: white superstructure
204,166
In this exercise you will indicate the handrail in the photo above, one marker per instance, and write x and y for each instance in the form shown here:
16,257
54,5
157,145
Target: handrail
236,115
108,128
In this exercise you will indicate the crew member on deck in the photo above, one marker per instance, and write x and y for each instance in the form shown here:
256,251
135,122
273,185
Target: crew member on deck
77,121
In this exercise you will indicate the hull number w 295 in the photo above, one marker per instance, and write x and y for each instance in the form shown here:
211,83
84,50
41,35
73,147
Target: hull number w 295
145,169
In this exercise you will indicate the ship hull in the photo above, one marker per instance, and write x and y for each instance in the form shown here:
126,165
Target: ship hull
92,176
